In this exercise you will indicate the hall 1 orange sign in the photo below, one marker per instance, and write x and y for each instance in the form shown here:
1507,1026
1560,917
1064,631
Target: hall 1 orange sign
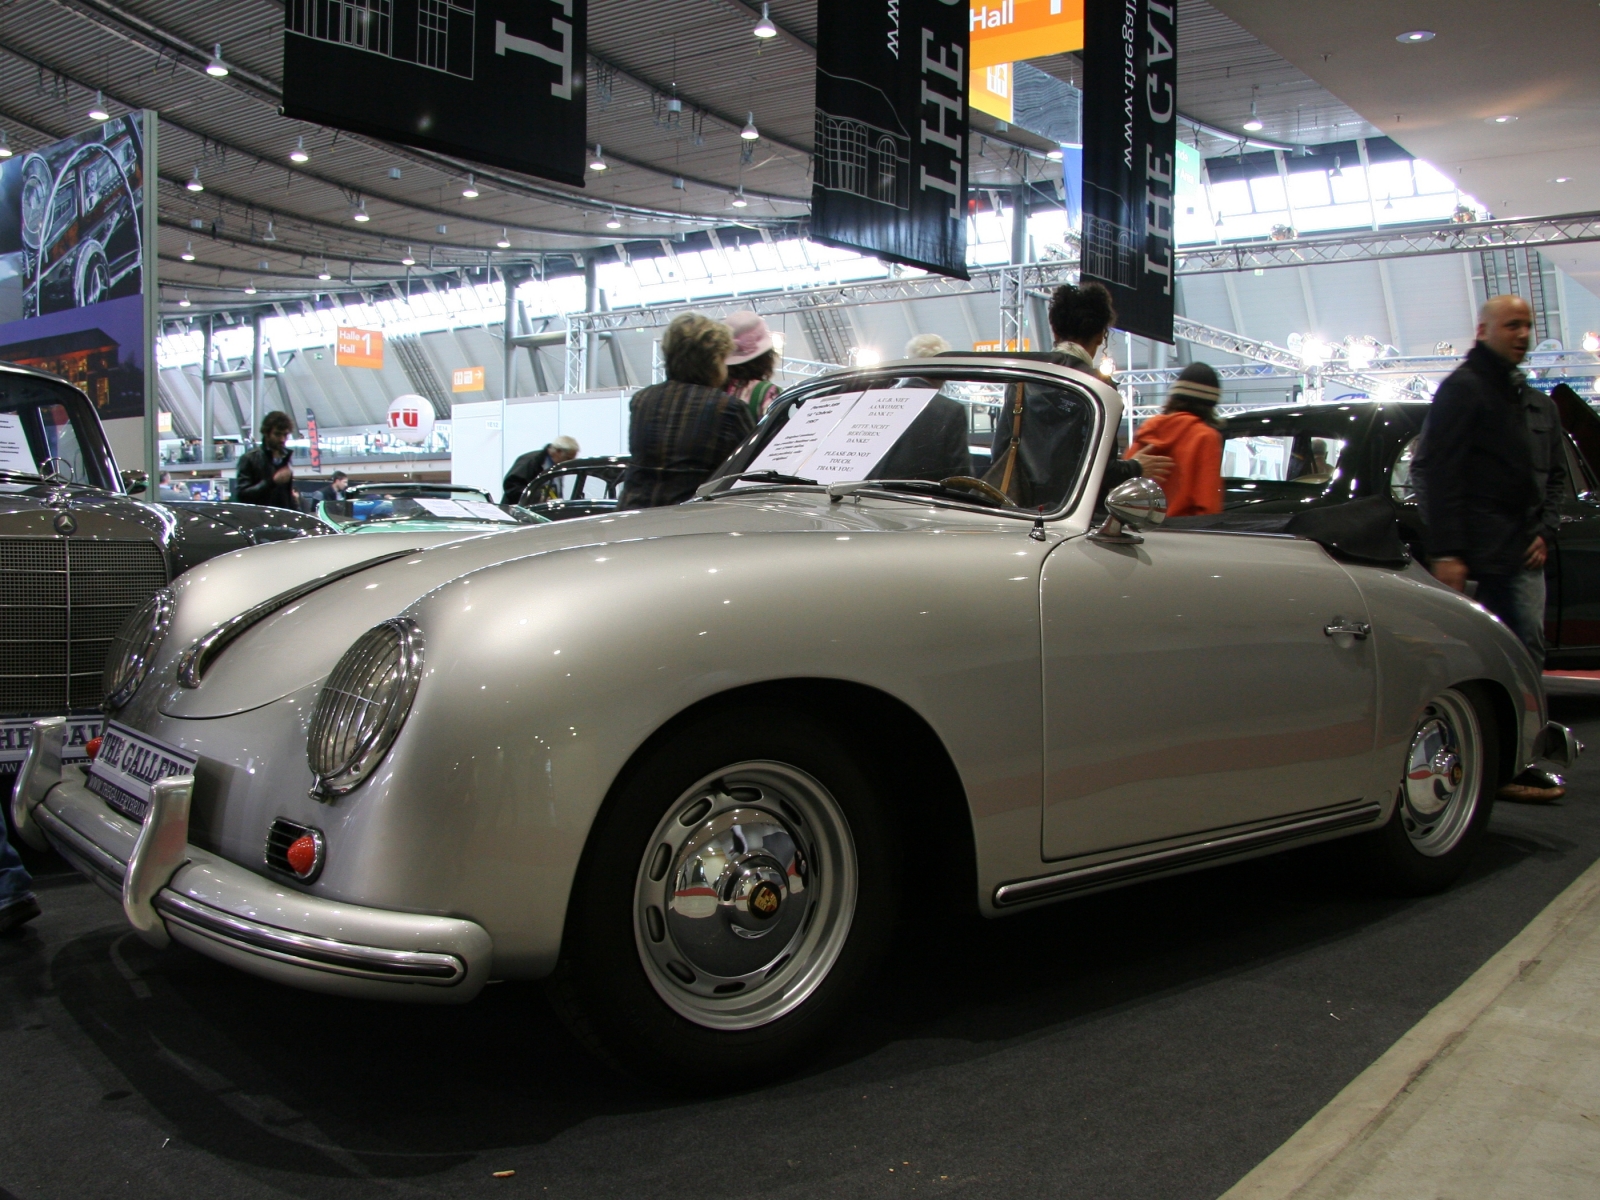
1007,31
467,379
358,347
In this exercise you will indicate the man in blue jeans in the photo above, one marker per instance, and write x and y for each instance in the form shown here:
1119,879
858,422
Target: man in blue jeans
1494,470
17,905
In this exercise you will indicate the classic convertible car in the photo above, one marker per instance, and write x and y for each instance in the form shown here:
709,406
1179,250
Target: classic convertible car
369,507
78,554
579,487
691,764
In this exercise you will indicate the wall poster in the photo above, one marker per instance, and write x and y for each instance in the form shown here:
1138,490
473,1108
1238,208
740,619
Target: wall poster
890,172
495,81
1130,111
77,259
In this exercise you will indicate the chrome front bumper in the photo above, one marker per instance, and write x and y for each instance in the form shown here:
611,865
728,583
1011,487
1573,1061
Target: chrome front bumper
173,891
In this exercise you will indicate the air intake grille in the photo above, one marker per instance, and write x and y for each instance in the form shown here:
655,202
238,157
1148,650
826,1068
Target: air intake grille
62,601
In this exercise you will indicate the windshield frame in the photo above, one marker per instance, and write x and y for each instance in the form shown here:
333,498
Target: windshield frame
81,415
977,370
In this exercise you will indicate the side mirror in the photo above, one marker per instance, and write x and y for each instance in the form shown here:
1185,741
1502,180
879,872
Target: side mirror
134,482
1135,505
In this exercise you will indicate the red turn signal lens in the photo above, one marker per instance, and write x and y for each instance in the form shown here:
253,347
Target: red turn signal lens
92,747
302,855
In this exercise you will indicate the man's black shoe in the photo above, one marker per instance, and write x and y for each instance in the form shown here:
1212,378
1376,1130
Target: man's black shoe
17,914
1534,786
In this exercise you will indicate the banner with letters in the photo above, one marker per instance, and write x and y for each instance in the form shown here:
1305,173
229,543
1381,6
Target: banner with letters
495,81
1130,121
890,166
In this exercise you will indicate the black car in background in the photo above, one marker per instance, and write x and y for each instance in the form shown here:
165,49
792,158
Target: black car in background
579,488
78,555
1283,460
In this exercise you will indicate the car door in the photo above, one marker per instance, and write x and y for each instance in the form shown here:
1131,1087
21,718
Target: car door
1190,684
1575,574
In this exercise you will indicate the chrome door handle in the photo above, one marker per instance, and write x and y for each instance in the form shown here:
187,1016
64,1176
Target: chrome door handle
1356,629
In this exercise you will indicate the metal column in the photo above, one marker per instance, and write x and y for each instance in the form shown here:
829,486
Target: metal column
591,303
256,383
208,444
509,280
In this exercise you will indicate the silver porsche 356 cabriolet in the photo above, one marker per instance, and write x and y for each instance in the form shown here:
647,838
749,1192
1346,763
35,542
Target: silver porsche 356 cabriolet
689,763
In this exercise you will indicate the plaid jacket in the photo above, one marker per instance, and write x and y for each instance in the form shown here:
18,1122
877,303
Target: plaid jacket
678,434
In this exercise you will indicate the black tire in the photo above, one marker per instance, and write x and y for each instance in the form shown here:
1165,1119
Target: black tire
1412,855
618,984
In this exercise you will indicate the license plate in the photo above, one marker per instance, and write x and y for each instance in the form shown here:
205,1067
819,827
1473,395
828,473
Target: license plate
17,733
128,763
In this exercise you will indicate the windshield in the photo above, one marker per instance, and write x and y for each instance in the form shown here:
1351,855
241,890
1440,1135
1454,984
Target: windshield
47,430
585,483
459,508
931,427
1288,453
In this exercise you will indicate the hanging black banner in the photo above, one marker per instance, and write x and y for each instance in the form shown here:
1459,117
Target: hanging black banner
890,168
1130,122
495,81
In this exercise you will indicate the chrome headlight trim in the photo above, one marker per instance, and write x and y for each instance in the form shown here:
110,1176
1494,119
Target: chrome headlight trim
135,647
363,705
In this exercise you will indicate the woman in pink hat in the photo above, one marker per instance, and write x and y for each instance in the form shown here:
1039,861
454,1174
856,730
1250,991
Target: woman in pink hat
752,363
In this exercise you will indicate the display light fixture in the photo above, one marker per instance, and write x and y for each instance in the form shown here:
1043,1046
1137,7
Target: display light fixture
250,288
598,162
1338,169
359,213
263,265
1253,125
184,303
5,145
1502,119
750,133
1412,37
409,260
216,68
505,240
764,27
1562,179
613,222
271,235
1056,155
470,192
738,198
298,154
188,252
677,182
97,110
1359,352
1591,342
866,356
1108,366
194,184
324,273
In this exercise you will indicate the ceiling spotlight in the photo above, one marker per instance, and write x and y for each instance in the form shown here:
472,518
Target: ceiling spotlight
1338,169
750,133
408,260
764,27
677,182
263,265
298,154
471,190
1056,155
1415,36
359,212
505,240
1562,179
598,162
97,110
5,146
1502,119
324,273
1591,341
188,252
738,198
614,221
194,184
184,303
216,67
270,235
1253,125
250,288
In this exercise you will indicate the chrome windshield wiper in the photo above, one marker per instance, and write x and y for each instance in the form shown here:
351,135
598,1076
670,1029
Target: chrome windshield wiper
956,487
726,481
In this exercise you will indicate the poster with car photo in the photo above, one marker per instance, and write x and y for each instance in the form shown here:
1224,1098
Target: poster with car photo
72,262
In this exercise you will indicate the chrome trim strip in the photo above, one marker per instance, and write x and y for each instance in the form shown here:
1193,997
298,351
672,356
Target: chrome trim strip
194,661
312,953
1126,870
99,865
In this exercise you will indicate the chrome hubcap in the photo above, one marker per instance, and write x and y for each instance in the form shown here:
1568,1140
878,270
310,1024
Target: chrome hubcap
1440,792
745,895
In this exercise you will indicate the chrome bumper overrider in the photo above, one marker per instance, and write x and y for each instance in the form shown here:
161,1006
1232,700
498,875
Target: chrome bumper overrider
171,890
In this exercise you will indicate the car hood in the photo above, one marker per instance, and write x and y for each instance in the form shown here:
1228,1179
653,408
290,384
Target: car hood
30,510
299,644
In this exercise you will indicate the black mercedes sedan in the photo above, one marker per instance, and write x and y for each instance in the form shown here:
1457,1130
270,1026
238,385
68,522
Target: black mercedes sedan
579,488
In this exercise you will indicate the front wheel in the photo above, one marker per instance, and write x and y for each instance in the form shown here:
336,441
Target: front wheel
737,892
1445,795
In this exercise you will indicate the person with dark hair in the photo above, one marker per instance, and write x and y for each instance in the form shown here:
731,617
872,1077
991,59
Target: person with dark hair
1081,319
682,430
750,366
167,490
337,483
1187,432
265,476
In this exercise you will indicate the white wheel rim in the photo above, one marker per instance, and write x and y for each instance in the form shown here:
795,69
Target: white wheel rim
1439,792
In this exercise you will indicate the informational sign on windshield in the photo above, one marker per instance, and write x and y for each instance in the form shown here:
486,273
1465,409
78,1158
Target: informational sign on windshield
14,452
837,438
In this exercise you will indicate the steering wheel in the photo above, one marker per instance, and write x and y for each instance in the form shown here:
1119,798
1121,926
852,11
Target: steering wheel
968,483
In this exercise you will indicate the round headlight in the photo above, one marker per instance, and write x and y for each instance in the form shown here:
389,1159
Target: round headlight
363,705
130,657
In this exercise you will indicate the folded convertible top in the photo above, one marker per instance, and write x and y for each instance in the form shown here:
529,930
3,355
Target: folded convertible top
1360,531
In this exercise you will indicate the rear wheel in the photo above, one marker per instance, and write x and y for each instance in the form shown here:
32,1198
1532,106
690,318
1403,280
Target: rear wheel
737,892
1445,795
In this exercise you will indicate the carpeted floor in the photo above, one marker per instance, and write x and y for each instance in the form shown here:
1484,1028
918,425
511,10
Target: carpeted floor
1150,1043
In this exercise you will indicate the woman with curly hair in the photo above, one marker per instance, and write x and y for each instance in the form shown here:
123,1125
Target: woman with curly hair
682,430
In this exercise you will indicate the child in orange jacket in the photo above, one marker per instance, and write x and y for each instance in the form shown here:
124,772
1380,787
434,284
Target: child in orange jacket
1187,432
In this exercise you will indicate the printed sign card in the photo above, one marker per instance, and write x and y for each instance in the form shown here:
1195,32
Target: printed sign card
860,440
441,508
486,512
797,439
